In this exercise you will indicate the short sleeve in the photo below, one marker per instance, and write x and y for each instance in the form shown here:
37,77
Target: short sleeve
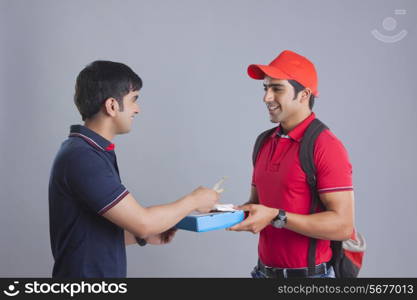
334,170
93,181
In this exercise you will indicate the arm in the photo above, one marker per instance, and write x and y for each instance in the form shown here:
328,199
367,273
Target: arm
144,222
336,223
159,239
113,201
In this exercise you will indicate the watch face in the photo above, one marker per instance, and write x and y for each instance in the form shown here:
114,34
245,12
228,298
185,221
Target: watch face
280,219
279,223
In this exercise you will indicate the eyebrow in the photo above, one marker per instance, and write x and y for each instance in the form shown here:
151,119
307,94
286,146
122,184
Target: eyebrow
274,85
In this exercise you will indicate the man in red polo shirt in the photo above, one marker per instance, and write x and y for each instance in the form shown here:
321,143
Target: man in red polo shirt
279,205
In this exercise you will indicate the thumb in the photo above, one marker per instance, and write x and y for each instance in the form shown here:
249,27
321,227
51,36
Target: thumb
246,207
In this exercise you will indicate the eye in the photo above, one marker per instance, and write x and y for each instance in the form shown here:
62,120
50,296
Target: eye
276,90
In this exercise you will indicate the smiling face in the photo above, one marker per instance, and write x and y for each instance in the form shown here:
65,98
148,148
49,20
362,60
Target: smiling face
123,119
280,100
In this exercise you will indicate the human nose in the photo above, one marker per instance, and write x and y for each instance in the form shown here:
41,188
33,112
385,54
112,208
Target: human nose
269,96
137,108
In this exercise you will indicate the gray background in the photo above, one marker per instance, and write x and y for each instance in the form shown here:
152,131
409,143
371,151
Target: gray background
201,114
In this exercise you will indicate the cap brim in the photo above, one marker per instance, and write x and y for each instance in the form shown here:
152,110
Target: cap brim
260,71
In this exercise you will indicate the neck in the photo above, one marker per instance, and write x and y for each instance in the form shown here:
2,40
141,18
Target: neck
290,124
100,127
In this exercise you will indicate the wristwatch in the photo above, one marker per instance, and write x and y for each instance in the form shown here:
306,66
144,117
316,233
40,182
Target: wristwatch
141,242
280,220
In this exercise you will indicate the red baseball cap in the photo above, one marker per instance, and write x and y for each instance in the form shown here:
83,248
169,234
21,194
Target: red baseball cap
288,65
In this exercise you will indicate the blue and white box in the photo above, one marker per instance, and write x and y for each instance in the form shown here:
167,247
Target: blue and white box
211,221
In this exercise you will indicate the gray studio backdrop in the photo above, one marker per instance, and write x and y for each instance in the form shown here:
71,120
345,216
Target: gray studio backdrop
201,114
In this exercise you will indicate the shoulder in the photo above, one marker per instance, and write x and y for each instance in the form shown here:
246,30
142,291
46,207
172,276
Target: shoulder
329,147
267,132
327,139
264,135
81,156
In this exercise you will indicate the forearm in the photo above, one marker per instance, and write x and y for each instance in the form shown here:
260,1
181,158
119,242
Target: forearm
163,217
327,225
335,223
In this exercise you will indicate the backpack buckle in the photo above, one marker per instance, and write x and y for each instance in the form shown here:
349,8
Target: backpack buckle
312,181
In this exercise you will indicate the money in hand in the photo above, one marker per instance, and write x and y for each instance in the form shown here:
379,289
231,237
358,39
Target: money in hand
217,186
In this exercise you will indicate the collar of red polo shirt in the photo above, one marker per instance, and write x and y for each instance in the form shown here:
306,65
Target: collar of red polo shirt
298,132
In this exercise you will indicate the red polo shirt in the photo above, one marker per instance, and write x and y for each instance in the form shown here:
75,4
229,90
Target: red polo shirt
281,183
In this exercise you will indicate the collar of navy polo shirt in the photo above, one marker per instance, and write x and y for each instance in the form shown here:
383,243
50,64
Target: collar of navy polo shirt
296,133
91,137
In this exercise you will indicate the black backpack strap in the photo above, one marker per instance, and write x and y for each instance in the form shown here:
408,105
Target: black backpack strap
307,164
260,140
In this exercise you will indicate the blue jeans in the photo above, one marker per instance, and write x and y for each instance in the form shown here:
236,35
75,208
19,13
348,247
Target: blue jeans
256,273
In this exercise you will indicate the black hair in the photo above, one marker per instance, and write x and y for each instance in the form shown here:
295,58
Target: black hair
101,80
298,87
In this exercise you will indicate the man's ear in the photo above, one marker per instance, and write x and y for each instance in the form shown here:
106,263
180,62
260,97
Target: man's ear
111,106
305,95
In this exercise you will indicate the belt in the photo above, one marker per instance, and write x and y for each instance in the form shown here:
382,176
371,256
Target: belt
270,272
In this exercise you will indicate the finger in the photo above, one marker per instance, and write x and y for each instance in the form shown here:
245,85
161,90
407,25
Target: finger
246,207
237,228
204,210
162,237
171,233
168,238
219,191
242,226
171,238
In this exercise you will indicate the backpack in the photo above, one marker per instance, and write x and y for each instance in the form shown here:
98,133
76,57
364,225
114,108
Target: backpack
347,255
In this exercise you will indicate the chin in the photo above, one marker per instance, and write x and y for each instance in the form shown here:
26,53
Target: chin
274,119
124,130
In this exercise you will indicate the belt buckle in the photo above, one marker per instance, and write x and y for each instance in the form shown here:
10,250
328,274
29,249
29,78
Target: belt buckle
279,273
321,269
270,270
326,268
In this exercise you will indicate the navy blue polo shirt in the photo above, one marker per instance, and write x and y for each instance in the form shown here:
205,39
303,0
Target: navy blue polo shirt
84,184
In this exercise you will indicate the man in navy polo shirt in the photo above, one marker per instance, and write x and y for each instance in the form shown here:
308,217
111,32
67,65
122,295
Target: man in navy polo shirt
279,205
92,214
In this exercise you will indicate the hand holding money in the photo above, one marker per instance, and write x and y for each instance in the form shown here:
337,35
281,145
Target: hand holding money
207,198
